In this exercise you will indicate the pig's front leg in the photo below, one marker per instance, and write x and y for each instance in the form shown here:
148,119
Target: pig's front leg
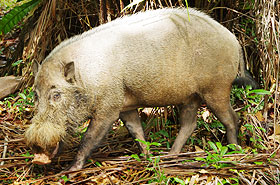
95,133
132,122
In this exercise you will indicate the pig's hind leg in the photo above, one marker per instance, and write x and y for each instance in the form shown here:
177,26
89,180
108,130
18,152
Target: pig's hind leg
133,124
219,103
187,119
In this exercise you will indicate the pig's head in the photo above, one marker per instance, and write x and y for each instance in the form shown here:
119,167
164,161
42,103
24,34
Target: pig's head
60,107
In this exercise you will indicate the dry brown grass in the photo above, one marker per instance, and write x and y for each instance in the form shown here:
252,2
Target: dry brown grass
268,29
111,165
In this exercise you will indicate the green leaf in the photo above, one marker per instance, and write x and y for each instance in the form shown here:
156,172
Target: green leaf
262,129
27,154
219,145
155,144
142,155
235,152
22,96
1,50
223,150
141,141
136,157
164,133
84,130
234,179
98,164
64,178
176,179
16,15
215,158
157,159
213,146
258,162
260,91
17,63
168,145
200,159
273,155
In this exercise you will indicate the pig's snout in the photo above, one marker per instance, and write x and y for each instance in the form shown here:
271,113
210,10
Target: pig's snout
43,157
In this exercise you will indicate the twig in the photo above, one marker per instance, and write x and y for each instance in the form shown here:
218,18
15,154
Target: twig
5,150
12,141
235,11
14,158
244,179
96,177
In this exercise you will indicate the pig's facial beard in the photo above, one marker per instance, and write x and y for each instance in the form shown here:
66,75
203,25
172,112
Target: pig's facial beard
59,124
47,141
44,136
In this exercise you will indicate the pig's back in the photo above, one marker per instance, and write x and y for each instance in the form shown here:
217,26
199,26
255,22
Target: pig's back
170,57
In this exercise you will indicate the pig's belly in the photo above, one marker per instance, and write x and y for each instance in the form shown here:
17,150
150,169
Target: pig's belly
155,98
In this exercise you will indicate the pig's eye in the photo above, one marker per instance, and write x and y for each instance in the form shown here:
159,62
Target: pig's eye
56,96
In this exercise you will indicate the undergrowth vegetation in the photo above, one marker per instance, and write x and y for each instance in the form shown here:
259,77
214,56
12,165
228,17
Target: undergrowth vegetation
206,152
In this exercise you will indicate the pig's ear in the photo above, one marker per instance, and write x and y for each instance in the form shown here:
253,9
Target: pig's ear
35,67
69,72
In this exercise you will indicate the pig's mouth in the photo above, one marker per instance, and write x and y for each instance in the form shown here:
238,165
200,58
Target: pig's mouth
43,158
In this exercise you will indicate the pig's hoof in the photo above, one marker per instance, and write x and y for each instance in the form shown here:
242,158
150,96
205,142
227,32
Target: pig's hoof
173,154
70,172
67,175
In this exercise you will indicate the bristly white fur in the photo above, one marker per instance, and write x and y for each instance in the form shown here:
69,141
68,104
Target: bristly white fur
140,16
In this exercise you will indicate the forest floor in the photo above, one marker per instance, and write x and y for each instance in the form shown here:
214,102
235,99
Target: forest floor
118,161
